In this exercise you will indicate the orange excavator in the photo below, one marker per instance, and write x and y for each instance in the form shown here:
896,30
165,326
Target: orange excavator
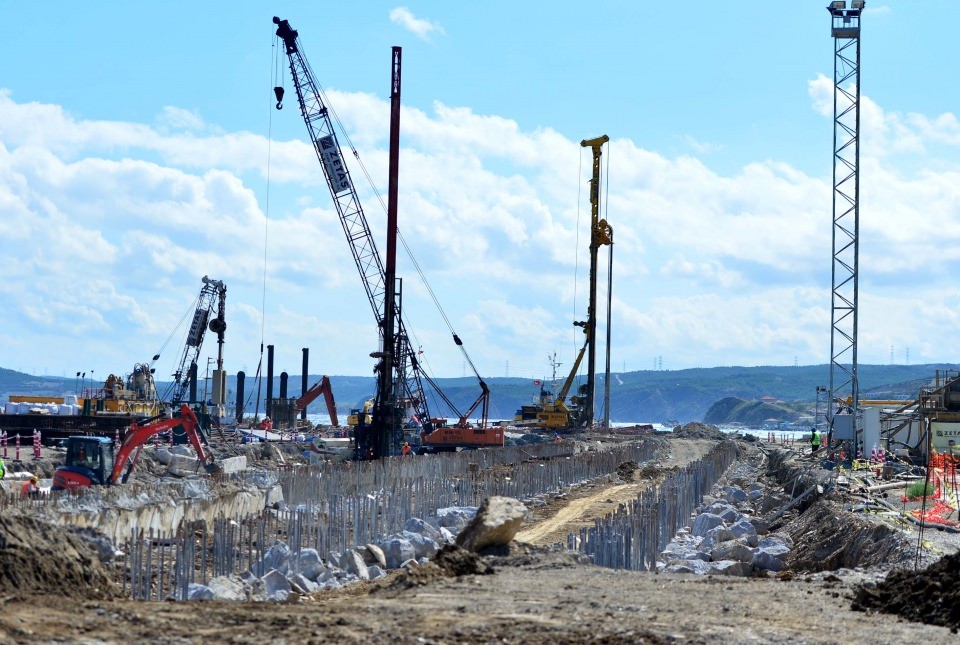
320,387
91,462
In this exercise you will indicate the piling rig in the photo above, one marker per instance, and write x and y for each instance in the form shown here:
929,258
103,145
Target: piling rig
400,376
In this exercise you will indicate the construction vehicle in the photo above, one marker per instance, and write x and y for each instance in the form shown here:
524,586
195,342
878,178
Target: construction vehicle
320,387
400,376
358,415
213,292
91,461
558,415
555,414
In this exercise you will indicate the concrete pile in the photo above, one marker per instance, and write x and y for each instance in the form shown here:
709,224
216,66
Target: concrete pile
288,575
727,537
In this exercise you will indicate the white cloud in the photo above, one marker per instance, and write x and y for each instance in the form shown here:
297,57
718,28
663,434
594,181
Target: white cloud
106,228
702,147
180,119
419,27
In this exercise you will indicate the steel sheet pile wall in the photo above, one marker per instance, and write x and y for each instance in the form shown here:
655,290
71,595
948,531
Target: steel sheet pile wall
633,536
333,507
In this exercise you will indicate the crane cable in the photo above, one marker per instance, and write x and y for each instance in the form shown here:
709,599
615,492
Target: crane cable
403,241
576,254
274,76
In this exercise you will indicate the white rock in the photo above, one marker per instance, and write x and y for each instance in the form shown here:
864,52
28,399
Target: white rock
310,564
354,563
224,588
276,585
704,523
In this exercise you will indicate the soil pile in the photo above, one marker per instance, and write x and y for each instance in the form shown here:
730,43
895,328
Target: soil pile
931,596
41,558
827,538
626,470
696,430
451,561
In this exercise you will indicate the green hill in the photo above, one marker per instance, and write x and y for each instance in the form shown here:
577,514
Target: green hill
643,396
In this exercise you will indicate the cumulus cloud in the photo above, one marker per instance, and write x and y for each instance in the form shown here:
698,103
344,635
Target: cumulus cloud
418,26
107,228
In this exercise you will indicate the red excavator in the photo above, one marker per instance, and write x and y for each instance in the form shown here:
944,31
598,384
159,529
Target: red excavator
91,462
320,387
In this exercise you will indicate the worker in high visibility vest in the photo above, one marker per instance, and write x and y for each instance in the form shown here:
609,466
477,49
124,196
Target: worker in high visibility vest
30,486
814,440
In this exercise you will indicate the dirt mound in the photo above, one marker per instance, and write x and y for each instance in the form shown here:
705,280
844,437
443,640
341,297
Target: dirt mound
41,558
827,538
450,562
626,470
533,556
696,430
931,596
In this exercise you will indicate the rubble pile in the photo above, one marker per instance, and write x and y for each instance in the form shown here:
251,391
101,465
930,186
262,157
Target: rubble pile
931,596
828,538
695,430
727,537
288,575
41,558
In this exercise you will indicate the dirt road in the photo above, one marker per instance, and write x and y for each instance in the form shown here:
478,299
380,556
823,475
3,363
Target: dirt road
579,508
529,599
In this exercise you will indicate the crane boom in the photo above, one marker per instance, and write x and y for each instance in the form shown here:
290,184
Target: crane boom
213,292
320,128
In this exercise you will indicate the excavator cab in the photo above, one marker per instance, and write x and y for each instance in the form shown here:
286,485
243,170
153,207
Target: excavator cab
89,462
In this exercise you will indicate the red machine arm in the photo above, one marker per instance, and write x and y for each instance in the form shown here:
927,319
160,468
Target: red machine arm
139,433
321,387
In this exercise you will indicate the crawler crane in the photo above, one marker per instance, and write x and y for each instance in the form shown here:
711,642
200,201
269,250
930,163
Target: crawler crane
400,376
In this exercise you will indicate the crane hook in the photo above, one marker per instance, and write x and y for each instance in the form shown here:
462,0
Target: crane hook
278,91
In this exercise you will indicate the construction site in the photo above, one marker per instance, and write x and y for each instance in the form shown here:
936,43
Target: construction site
147,516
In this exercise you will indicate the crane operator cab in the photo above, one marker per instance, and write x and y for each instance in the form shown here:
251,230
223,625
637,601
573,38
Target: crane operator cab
89,462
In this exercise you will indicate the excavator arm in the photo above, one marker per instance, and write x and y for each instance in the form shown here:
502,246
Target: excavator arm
320,387
139,433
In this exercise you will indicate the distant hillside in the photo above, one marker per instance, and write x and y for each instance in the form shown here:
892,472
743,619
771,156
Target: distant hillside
751,413
648,396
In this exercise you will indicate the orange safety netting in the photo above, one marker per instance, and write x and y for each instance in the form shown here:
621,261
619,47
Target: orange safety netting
936,515
943,474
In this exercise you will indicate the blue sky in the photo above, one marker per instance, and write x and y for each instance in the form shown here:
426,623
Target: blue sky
134,138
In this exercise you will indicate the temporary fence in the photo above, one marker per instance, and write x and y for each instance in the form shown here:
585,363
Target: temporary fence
634,535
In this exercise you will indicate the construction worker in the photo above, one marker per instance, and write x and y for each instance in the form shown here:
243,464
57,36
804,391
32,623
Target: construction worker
405,450
814,440
3,469
30,486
